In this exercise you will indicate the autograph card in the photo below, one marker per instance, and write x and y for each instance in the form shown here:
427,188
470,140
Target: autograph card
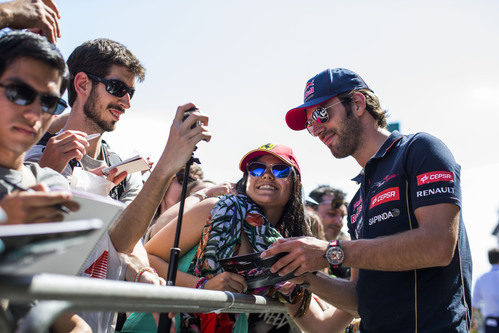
255,270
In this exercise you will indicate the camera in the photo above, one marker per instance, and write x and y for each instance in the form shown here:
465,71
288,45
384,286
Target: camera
187,113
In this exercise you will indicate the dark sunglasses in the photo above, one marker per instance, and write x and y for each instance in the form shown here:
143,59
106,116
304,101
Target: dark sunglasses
22,94
257,169
114,87
335,203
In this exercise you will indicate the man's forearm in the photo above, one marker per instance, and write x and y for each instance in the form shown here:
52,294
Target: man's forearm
403,251
340,293
431,244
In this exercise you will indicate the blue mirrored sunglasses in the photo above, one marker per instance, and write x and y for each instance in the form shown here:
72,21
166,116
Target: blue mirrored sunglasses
257,169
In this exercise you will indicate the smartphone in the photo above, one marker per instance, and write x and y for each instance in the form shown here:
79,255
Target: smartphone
187,113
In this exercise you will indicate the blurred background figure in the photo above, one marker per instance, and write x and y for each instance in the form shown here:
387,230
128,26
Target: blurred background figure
172,195
331,208
486,297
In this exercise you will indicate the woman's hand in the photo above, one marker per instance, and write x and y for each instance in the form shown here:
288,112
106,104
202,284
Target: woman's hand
227,282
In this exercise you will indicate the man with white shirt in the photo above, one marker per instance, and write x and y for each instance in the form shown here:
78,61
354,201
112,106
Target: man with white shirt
102,83
486,295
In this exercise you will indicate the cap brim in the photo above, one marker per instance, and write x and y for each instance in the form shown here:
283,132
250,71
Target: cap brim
297,118
257,153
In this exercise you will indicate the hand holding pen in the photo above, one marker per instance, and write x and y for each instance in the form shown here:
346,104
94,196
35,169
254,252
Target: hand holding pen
36,204
62,148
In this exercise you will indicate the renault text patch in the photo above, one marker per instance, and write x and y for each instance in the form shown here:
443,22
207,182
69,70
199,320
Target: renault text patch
390,194
435,176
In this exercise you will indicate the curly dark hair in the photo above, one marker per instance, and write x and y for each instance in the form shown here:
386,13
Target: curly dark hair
292,222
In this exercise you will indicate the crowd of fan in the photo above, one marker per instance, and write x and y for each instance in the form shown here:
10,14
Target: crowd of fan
44,150
40,149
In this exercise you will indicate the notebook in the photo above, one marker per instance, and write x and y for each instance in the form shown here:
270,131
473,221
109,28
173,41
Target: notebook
58,247
131,165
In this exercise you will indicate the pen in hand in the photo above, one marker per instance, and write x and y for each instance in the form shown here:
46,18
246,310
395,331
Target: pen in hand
92,136
58,207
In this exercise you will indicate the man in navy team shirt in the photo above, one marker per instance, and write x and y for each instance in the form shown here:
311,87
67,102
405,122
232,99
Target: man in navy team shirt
409,253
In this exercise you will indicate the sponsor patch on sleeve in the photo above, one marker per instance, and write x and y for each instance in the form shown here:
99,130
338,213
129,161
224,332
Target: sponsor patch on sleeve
435,176
390,194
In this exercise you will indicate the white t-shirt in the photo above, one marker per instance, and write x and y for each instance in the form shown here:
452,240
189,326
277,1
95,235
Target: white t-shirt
103,263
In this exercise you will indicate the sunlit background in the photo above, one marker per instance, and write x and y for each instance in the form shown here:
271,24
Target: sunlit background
434,65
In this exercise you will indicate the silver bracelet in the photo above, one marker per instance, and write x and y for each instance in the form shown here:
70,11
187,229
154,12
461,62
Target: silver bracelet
200,196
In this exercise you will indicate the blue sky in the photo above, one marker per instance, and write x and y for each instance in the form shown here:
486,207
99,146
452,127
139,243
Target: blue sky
434,65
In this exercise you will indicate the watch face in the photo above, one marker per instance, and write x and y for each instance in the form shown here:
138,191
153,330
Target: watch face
334,255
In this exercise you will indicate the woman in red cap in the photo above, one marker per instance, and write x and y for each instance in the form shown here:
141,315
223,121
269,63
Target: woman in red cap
268,206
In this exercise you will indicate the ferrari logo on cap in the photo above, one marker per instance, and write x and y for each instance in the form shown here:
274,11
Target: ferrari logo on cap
268,146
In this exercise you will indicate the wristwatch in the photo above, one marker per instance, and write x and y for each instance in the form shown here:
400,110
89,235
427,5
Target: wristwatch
334,254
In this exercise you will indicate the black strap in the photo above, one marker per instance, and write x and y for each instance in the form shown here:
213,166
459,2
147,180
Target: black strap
45,139
43,142
112,158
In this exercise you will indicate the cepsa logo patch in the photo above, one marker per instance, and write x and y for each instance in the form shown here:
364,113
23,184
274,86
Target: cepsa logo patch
435,176
390,194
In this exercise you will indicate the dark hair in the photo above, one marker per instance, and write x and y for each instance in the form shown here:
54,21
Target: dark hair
314,222
494,256
292,222
372,105
322,190
24,44
96,57
195,174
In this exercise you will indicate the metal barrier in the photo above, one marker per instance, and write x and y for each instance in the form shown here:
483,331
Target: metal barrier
85,294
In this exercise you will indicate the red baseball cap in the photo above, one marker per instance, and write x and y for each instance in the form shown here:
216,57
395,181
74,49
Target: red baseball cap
282,152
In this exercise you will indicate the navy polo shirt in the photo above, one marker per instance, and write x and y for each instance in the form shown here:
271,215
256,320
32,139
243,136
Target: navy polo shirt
408,172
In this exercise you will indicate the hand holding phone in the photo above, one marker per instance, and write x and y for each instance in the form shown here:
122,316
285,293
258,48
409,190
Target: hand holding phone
188,112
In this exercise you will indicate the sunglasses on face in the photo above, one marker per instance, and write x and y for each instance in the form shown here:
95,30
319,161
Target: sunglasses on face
257,169
319,116
114,87
22,94
335,203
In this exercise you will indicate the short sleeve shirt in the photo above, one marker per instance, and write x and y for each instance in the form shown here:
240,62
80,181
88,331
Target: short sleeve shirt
408,172
31,174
